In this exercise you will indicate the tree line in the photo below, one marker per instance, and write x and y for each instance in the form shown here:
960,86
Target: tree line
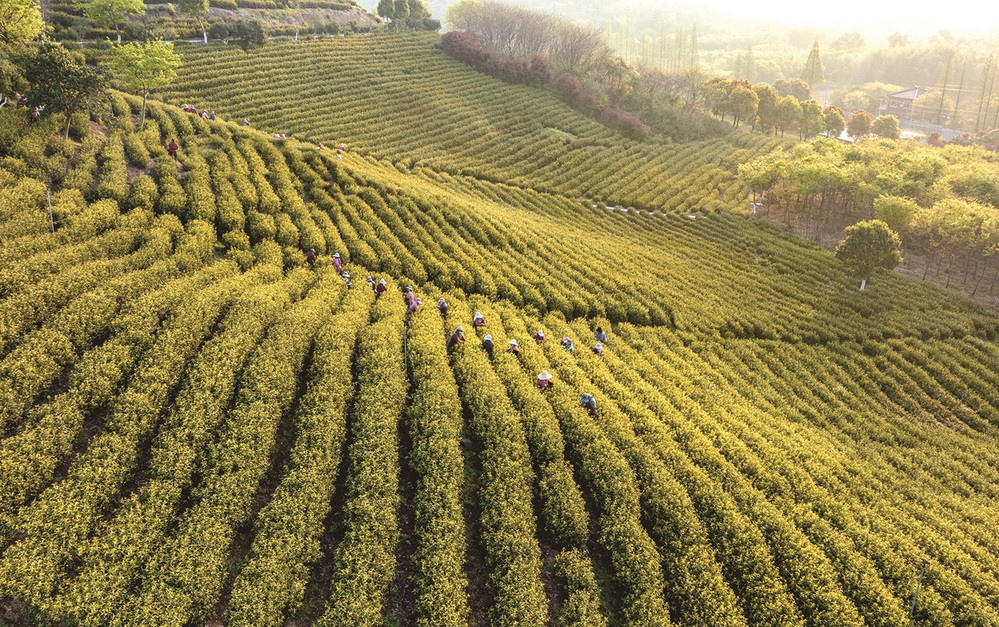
944,204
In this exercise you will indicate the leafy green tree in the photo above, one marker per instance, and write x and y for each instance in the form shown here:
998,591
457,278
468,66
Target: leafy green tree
766,110
886,127
811,121
834,120
63,82
895,211
114,13
742,103
788,112
418,10
198,9
140,68
849,41
716,95
797,88
868,96
813,72
859,124
401,13
868,246
898,39
20,21
386,9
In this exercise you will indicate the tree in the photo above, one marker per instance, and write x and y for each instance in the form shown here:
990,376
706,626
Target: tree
63,82
859,124
20,21
788,112
198,9
114,13
401,13
797,88
140,68
868,96
886,127
418,10
811,121
868,246
835,122
898,39
813,72
895,211
745,65
742,102
540,72
716,95
386,9
766,110
849,41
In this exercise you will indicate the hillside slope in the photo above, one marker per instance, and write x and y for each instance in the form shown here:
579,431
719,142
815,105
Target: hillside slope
399,97
199,426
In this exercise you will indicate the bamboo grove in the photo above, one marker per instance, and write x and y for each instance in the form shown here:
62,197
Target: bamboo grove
198,425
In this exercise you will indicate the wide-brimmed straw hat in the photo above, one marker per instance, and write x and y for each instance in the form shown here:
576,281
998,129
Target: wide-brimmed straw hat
512,342
545,376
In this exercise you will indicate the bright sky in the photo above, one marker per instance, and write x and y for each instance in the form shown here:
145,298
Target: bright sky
927,16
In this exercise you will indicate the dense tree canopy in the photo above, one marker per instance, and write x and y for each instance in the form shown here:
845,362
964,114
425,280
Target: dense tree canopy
20,21
886,127
859,124
869,246
62,82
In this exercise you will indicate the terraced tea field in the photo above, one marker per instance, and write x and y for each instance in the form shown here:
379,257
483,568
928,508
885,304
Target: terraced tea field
398,97
199,427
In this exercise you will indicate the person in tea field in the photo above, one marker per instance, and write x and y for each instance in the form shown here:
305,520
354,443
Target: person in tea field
371,283
478,320
211,116
488,346
587,402
567,346
514,347
381,288
598,350
246,121
600,335
539,336
545,381
311,256
346,279
409,297
442,306
337,262
415,305
172,148
458,337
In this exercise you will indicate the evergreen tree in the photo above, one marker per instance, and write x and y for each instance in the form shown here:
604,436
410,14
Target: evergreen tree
694,57
386,9
813,73
418,10
748,69
401,13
